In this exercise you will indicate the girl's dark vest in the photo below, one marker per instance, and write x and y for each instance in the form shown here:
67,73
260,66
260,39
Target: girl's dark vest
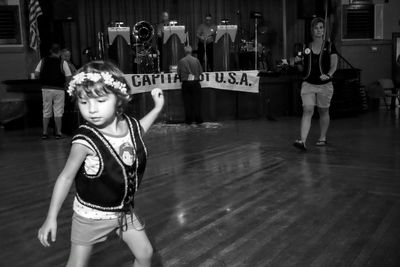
324,60
51,73
114,186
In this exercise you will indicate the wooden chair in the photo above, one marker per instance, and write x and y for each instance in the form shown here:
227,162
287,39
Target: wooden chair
390,90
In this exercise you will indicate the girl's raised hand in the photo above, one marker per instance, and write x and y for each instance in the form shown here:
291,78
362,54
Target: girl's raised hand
158,98
48,227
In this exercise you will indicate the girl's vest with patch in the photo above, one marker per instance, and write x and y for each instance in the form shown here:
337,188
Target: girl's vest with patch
52,74
114,186
324,59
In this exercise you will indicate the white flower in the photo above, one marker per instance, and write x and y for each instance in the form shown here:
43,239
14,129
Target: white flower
70,90
307,51
107,77
95,77
79,78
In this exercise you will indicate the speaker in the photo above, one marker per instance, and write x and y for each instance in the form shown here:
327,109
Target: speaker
65,9
310,8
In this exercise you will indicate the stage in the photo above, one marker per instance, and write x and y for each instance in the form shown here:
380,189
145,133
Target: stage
278,96
233,193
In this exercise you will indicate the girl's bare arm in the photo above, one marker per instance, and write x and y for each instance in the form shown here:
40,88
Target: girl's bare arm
63,184
66,178
150,117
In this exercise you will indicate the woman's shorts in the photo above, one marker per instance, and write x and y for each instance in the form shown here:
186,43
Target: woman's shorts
319,95
87,232
53,103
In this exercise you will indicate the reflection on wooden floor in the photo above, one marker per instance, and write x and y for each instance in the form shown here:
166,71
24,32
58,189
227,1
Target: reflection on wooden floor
235,194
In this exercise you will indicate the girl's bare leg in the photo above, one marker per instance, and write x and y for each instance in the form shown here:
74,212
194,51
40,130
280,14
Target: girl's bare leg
79,256
140,246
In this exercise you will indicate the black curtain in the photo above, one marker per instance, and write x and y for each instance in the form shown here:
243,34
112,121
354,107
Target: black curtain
93,16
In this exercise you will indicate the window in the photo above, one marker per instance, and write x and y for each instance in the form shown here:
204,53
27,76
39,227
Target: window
10,33
358,21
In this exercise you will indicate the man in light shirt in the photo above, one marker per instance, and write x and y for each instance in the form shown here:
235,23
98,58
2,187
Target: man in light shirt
189,71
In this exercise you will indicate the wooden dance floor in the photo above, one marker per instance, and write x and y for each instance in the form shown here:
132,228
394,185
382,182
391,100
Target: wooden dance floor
229,194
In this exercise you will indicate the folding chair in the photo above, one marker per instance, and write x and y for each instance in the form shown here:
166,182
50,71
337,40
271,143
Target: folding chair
390,90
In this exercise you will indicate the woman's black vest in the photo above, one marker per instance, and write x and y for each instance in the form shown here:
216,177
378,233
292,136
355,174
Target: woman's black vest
51,73
324,59
114,186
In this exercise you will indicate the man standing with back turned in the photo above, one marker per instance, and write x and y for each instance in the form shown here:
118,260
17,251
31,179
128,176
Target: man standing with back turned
189,71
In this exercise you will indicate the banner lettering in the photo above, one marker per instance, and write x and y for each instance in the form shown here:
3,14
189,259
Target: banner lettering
241,81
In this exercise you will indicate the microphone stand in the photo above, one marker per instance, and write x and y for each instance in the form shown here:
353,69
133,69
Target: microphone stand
205,54
255,43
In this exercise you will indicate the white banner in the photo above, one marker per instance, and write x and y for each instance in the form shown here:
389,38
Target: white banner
242,81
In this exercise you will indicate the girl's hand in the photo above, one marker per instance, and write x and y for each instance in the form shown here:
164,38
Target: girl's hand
158,98
324,77
48,227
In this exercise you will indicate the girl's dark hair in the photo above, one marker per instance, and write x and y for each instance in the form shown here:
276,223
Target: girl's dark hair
96,89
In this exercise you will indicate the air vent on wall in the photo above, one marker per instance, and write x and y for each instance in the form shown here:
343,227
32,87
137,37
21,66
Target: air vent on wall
358,21
10,33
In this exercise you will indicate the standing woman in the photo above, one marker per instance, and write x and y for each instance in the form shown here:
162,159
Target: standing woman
319,65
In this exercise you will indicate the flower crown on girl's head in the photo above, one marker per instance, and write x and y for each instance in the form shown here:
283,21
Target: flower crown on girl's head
102,77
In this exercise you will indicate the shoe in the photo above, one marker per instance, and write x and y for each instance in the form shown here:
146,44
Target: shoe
321,143
59,136
45,136
300,145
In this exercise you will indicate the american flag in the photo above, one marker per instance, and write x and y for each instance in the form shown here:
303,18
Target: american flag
34,12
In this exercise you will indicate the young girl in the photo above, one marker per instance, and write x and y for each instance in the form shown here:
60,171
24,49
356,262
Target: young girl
107,162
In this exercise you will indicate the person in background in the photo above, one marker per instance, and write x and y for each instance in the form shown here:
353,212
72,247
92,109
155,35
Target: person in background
320,63
66,55
262,53
397,72
163,22
189,71
160,33
53,73
206,33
